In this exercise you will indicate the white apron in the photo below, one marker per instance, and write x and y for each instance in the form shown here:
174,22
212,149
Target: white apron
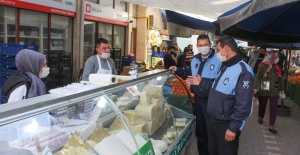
101,70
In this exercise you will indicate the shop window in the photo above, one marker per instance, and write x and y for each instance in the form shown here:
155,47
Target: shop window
119,37
7,25
120,5
108,3
105,31
59,58
34,29
89,39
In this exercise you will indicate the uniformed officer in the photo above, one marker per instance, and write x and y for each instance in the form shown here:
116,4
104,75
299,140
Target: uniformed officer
230,100
204,69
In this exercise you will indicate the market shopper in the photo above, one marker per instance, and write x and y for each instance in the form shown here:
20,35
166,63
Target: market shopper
170,57
204,69
177,50
27,83
257,59
269,84
101,63
190,46
254,52
181,58
230,100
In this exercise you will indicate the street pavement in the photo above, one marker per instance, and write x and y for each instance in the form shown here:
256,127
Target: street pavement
256,139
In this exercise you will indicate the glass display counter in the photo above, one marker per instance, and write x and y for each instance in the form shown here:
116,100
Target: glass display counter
131,117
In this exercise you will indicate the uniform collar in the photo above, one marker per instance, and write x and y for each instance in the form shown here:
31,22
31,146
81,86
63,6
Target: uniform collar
232,61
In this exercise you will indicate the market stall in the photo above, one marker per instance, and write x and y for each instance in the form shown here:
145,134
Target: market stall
124,118
293,85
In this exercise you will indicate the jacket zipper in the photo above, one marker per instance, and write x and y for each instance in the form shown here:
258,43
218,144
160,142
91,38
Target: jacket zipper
222,107
216,83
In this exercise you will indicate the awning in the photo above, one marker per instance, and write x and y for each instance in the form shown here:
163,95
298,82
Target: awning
187,21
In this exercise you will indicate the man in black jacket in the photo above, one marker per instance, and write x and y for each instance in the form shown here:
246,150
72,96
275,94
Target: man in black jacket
181,58
170,58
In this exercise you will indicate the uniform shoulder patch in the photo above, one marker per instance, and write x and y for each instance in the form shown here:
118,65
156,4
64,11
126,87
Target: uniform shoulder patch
246,84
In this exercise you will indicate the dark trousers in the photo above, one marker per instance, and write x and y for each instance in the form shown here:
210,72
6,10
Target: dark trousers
202,123
263,100
217,145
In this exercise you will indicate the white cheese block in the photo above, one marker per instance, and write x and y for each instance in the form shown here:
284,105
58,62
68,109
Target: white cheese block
144,98
152,126
127,140
159,144
167,112
157,151
169,141
133,117
111,145
180,124
139,128
180,120
150,112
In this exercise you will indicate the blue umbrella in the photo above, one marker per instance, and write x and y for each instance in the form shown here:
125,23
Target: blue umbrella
275,21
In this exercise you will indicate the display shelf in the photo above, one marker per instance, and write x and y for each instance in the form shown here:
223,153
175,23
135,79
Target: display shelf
34,37
57,49
79,110
57,38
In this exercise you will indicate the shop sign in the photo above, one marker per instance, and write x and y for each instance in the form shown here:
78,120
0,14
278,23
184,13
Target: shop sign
181,143
105,14
147,149
61,7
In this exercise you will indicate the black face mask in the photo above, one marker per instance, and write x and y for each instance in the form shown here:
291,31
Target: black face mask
261,55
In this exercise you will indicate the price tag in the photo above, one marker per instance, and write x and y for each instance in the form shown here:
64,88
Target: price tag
133,90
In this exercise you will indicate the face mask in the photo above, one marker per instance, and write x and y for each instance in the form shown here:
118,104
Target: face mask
220,57
45,72
204,50
105,55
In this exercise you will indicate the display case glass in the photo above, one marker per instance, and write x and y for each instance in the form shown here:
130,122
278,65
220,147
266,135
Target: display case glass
118,119
7,25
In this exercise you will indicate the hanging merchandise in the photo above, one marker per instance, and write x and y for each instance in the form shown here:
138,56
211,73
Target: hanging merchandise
154,38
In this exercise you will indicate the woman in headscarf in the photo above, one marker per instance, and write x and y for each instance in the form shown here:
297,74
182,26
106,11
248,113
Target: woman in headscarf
27,83
269,84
